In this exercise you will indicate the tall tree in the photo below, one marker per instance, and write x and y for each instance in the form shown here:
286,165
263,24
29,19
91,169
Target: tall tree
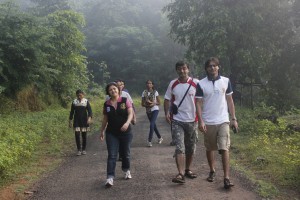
45,7
130,36
246,35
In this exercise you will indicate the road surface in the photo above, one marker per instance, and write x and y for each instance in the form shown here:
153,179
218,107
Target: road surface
152,168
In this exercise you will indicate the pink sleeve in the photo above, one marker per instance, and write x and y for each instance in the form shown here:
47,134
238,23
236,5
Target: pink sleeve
128,104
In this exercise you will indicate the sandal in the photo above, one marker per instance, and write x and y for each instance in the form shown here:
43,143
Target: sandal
227,183
190,174
179,178
211,176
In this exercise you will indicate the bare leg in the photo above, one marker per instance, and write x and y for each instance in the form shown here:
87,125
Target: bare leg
210,155
189,160
225,161
180,163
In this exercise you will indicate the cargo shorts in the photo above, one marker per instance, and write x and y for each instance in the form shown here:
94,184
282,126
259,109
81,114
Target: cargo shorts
217,137
184,136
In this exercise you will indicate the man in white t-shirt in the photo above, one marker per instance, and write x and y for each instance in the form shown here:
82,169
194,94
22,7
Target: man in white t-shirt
181,92
214,99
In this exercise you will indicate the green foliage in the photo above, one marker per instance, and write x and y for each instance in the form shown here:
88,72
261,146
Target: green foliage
66,48
256,41
270,149
21,135
130,37
42,52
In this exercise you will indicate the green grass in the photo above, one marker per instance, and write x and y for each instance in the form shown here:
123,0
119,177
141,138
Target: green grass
34,143
268,151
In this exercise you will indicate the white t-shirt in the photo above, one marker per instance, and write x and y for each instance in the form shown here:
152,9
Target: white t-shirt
175,93
154,100
215,108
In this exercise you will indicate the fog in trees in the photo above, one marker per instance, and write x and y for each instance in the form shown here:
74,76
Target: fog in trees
99,41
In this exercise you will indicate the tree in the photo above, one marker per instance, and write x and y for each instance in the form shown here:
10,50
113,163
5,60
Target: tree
130,36
246,35
45,7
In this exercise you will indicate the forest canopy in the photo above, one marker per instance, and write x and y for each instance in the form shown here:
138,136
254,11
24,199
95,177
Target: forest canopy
57,46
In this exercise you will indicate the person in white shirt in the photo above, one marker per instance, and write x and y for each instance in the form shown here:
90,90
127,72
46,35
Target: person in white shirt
181,92
214,99
151,101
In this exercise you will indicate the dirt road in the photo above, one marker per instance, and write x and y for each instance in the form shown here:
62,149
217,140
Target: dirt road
83,177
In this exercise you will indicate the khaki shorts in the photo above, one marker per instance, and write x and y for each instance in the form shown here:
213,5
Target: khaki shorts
217,137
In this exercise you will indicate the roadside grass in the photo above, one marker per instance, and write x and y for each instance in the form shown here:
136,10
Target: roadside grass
268,154
35,143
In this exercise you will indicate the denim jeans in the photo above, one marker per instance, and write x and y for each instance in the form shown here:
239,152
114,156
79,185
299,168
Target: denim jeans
152,116
113,142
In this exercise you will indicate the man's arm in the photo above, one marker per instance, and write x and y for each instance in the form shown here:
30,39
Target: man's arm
201,124
231,108
167,110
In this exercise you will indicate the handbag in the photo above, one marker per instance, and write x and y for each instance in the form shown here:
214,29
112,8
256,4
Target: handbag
174,107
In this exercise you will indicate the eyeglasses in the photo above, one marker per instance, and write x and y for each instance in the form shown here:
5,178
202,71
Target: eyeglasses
212,65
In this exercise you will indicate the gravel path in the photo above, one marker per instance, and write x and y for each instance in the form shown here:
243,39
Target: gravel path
83,177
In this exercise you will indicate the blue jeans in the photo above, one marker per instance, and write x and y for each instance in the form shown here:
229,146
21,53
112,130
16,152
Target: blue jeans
152,118
113,142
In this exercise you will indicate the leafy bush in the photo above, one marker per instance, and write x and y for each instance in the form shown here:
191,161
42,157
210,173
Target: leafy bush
21,134
271,149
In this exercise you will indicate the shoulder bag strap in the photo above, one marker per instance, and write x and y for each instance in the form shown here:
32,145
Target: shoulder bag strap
185,94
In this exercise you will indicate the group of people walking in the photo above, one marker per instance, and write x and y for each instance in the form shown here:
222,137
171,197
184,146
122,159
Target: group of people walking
189,105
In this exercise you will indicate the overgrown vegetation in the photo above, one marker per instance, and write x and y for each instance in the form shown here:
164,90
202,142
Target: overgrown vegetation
25,138
269,146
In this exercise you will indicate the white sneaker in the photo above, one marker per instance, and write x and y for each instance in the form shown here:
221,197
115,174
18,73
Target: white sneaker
78,153
109,182
160,140
128,175
83,152
149,144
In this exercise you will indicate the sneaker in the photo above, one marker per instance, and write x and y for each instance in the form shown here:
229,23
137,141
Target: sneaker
149,144
128,175
83,152
160,140
227,183
78,153
109,182
211,176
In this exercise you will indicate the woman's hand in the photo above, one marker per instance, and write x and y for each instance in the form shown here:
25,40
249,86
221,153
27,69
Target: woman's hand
89,121
124,127
102,136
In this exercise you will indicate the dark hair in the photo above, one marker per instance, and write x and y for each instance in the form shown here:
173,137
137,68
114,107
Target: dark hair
211,59
181,63
151,82
119,80
110,84
79,92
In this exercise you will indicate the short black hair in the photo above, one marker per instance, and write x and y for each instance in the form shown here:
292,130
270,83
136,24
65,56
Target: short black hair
181,63
79,92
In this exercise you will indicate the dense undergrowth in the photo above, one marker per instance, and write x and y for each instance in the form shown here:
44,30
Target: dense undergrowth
269,147
24,134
